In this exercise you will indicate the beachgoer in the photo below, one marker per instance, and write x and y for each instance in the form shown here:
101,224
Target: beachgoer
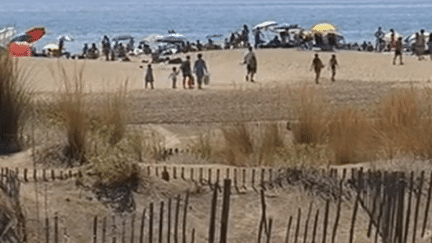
173,76
245,36
149,77
392,39
186,71
85,50
379,39
398,51
364,46
200,69
333,64
61,45
93,52
430,45
251,64
257,36
317,65
198,45
421,45
121,51
106,47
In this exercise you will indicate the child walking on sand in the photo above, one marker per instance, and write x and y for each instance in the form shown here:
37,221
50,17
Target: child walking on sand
332,64
149,77
173,77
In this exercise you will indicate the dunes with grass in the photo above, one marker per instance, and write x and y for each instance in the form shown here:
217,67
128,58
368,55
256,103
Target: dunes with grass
95,117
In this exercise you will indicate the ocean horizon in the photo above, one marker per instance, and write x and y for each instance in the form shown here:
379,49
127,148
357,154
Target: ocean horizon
89,21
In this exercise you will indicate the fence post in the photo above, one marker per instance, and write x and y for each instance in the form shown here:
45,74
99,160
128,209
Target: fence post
176,220
315,226
418,206
427,204
298,225
161,215
151,224
307,221
354,217
142,226
132,237
213,216
326,213
169,221
288,229
104,222
47,229
201,175
123,230
337,212
56,240
185,216
225,210
113,231
253,179
95,221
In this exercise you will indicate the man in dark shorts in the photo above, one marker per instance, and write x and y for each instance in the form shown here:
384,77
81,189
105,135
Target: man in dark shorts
398,51
317,65
187,73
251,64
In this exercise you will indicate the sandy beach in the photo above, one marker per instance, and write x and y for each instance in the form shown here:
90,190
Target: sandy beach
275,67
179,116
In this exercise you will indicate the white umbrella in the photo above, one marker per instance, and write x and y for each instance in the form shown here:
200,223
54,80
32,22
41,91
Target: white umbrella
265,25
65,38
51,47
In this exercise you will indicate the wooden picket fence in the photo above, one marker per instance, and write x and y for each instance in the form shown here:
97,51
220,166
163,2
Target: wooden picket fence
397,205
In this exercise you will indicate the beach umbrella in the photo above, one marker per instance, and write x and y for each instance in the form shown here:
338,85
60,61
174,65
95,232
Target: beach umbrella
51,47
65,38
20,49
35,34
265,25
30,36
21,38
323,27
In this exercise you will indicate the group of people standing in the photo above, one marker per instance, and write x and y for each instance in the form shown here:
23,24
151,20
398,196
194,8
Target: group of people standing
200,69
418,46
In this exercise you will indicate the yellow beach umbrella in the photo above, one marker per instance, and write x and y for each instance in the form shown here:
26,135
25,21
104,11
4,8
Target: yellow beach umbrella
322,27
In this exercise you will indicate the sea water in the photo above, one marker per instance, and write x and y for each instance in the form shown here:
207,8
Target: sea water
87,21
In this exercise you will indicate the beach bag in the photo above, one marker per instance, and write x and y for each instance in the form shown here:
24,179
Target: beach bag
206,79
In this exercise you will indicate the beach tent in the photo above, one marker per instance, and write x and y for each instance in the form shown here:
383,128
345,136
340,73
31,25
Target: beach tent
411,38
20,49
323,27
265,25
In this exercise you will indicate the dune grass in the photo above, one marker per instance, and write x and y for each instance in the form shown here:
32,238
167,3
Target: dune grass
15,96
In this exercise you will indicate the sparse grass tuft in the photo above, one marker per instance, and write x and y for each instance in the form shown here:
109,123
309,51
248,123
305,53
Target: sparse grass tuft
14,101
